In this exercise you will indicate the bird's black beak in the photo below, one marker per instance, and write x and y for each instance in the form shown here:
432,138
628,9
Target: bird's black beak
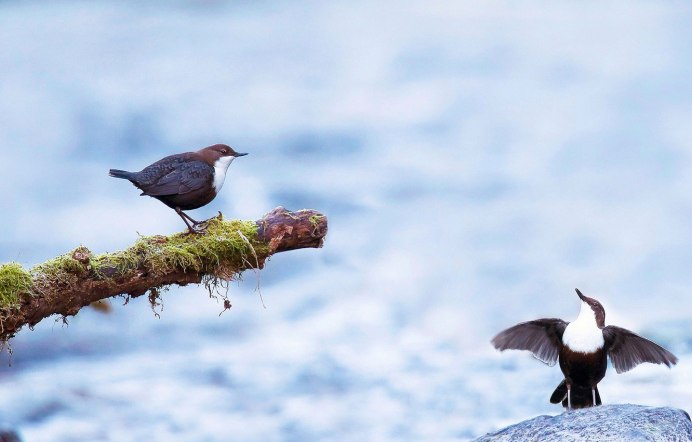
581,296
240,154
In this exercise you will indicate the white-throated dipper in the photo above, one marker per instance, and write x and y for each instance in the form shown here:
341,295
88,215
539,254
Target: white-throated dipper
582,347
184,181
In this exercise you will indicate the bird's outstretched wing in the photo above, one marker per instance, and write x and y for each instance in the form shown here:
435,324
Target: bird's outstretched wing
627,349
175,178
542,337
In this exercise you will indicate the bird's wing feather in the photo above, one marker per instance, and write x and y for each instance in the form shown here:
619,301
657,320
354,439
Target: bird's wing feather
542,337
185,177
627,349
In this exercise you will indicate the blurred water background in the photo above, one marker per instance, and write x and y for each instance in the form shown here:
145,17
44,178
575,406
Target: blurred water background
477,161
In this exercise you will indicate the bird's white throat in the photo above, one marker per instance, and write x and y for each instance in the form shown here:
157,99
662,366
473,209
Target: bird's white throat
220,168
583,335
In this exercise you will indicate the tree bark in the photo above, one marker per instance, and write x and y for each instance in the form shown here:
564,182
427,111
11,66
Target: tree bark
69,282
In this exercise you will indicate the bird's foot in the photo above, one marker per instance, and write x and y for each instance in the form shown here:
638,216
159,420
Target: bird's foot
197,229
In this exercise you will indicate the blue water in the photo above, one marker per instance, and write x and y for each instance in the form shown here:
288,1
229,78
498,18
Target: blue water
477,161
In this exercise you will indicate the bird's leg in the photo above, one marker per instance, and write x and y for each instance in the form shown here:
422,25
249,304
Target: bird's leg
191,228
183,214
569,396
593,395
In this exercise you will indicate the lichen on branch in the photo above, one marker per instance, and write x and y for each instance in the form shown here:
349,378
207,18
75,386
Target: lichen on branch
65,284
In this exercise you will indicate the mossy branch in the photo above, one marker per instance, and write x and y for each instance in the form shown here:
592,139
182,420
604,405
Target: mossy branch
65,284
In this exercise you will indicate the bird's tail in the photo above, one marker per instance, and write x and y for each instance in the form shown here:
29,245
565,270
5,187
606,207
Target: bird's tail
580,396
560,393
120,174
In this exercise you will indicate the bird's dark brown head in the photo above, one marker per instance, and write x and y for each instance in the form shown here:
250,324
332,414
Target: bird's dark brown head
213,153
598,310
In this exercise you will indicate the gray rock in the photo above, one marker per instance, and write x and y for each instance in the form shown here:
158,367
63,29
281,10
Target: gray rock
631,423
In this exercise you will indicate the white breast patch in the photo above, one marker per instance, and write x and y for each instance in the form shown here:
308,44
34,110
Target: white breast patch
583,335
220,168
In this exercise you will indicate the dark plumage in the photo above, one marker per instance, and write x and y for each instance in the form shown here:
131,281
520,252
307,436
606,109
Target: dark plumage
184,181
582,348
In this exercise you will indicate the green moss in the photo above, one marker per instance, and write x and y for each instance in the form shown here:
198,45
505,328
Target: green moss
63,270
225,243
223,250
315,222
315,219
60,266
13,281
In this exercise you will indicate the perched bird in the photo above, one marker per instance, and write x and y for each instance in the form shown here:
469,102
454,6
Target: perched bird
184,181
582,347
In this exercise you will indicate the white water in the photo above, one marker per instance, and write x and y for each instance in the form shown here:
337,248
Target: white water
477,162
